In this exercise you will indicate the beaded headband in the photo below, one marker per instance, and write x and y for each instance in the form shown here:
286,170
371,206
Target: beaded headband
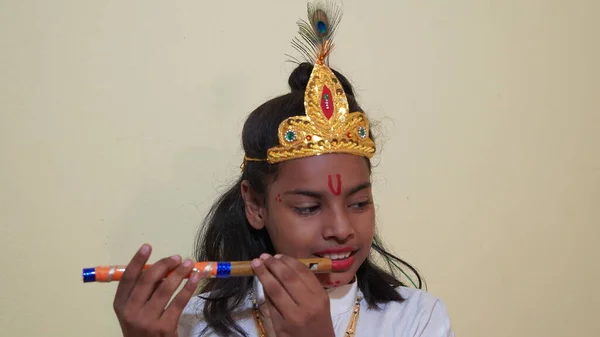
329,126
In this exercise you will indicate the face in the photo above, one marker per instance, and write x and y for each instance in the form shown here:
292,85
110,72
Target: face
322,206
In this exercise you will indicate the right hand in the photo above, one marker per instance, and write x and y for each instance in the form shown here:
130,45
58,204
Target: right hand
142,295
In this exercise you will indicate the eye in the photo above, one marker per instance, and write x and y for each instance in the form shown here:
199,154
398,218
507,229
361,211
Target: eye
310,210
361,205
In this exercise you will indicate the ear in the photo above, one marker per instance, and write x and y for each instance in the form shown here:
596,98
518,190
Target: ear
253,206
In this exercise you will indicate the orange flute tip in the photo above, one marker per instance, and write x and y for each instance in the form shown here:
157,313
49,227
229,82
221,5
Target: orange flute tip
101,274
107,274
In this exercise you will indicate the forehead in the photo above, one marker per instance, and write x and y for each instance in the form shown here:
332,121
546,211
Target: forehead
314,171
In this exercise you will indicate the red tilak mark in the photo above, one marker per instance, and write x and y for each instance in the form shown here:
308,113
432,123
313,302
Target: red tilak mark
278,197
327,103
338,190
337,282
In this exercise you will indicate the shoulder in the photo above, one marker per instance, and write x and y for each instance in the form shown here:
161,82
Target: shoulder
192,321
420,314
420,299
195,306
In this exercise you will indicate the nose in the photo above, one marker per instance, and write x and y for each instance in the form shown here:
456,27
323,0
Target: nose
338,226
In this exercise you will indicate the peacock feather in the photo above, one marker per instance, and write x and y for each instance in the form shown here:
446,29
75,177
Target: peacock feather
315,40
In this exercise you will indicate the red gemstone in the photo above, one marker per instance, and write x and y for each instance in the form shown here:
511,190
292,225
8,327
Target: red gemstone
309,137
349,135
327,102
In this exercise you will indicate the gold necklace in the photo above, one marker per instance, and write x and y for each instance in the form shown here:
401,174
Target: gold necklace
350,330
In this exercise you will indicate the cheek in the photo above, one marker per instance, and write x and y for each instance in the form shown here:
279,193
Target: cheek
365,227
292,235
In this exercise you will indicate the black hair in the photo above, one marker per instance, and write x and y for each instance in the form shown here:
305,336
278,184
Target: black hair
226,234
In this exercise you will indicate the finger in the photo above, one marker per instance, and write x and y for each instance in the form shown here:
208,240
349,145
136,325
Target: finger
289,279
174,310
163,293
150,278
274,314
156,285
132,274
308,278
279,296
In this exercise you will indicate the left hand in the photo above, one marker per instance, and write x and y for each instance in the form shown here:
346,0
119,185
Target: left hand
299,305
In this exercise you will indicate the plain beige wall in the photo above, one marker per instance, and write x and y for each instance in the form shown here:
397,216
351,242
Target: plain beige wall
120,123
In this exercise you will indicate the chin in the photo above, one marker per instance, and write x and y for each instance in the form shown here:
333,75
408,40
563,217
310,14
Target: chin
340,276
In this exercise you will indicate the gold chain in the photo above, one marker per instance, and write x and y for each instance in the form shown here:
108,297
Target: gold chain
350,330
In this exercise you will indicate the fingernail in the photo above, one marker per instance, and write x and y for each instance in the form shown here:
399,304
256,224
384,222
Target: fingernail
255,263
145,249
264,256
277,256
176,258
187,263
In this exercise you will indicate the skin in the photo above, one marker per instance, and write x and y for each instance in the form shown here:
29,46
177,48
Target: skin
306,213
306,210
141,298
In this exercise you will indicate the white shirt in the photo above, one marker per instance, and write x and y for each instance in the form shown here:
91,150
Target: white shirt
420,314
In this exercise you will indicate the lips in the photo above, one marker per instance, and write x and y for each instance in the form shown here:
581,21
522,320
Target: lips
341,259
342,265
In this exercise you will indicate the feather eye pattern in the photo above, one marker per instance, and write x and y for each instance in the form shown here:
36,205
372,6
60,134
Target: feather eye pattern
315,40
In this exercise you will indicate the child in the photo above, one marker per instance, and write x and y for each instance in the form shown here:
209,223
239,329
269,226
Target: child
304,191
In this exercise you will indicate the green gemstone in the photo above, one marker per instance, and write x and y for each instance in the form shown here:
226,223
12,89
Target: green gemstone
290,136
362,132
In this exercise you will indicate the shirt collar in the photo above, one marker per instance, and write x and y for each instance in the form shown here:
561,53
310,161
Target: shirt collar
341,299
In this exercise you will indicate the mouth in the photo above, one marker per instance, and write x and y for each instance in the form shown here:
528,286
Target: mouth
340,260
335,256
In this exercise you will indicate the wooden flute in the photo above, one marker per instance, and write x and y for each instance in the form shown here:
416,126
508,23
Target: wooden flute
114,273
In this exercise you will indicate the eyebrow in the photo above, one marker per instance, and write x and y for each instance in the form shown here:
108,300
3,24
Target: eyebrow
314,194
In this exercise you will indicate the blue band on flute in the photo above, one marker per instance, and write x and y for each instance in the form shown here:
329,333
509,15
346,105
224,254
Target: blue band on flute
89,275
223,269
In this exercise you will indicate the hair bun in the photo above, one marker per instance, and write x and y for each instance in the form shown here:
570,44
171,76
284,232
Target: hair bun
299,78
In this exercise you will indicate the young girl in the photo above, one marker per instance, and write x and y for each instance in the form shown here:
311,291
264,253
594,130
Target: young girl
304,191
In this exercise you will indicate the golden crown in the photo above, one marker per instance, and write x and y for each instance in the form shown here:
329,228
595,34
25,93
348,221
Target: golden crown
329,126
